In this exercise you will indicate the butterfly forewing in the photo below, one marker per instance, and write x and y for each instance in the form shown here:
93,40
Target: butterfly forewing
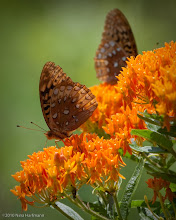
116,45
65,104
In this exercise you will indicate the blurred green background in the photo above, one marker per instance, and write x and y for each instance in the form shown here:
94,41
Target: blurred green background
68,33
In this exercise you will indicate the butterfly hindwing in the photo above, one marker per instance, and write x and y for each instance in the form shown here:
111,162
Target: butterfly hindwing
116,45
51,76
72,105
65,104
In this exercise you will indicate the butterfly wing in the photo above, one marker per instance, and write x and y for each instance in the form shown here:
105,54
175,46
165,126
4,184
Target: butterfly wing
116,45
65,104
73,105
51,76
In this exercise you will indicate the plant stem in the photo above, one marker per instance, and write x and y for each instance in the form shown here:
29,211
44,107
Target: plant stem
174,209
146,201
151,161
162,205
88,210
117,206
60,210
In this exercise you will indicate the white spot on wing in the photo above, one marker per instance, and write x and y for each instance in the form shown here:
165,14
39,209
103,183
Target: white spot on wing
69,87
62,88
106,62
53,104
114,52
116,64
55,91
74,100
88,97
66,112
99,56
55,115
102,50
77,105
123,58
112,43
83,91
76,88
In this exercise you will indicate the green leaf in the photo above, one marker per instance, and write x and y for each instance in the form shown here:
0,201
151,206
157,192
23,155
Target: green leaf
130,189
138,203
146,214
141,203
97,207
154,137
69,211
171,133
171,161
173,187
169,177
147,149
151,119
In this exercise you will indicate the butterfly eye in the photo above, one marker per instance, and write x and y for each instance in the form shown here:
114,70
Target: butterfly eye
116,45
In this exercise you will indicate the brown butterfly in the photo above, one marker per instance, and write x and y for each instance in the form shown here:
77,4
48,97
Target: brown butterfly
65,104
116,45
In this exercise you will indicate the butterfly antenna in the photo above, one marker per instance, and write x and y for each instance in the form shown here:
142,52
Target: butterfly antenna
19,126
38,126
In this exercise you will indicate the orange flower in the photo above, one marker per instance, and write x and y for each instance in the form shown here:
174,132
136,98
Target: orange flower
158,184
147,83
151,77
21,195
109,103
53,172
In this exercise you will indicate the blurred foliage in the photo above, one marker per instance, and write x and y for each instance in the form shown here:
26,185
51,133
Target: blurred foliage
68,33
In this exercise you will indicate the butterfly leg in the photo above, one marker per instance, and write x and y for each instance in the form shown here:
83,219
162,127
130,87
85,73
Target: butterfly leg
45,142
56,143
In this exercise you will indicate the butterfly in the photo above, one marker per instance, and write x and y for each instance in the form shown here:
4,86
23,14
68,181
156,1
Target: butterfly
116,45
65,104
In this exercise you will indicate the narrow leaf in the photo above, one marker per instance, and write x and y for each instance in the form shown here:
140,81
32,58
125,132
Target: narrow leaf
155,137
171,133
146,214
130,189
69,211
147,149
148,118
171,161
169,177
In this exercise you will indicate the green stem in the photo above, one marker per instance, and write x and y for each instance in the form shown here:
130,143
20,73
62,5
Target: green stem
162,205
102,195
174,209
60,210
152,162
146,201
88,210
117,206
173,153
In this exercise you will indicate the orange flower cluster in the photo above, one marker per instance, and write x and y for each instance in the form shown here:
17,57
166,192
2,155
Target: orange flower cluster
157,184
109,103
148,82
151,78
51,173
120,125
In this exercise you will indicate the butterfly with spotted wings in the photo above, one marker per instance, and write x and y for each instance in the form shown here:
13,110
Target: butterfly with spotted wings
116,45
65,104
